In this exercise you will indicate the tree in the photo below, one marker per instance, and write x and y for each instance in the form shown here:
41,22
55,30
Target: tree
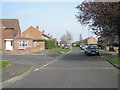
80,37
63,39
66,37
102,17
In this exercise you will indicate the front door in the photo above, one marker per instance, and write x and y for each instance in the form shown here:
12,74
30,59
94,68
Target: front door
9,45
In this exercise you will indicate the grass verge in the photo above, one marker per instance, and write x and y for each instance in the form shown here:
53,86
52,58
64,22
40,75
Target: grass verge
4,63
104,53
59,51
115,60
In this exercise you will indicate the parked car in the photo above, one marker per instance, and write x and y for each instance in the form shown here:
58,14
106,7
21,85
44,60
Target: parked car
92,50
83,47
65,47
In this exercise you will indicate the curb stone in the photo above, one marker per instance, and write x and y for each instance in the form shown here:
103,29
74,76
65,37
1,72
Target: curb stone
117,66
12,80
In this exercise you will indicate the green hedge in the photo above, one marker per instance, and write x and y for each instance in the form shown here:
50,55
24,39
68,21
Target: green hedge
50,44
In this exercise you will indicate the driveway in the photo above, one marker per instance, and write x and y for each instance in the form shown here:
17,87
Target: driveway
72,70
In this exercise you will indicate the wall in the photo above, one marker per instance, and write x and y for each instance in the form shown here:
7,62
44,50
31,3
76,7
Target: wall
92,41
32,33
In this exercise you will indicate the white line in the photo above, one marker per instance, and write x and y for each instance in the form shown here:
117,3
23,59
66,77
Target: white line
56,59
83,68
36,69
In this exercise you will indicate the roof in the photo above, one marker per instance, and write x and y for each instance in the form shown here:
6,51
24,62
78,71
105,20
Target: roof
10,23
46,35
21,37
89,38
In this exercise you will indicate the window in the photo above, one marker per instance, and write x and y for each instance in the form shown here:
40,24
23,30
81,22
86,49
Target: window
11,43
23,44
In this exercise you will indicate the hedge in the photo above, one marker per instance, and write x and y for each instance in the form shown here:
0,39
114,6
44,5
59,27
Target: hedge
50,44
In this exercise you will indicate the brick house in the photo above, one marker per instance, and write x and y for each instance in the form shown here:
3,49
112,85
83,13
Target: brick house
90,40
9,28
25,44
36,34
11,39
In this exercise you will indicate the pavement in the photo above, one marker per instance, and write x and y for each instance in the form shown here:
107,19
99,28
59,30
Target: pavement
14,70
71,70
20,67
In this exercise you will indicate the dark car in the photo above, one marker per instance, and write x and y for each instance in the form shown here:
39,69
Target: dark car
65,47
92,50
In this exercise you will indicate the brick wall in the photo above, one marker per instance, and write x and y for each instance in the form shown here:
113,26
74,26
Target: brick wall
92,41
32,33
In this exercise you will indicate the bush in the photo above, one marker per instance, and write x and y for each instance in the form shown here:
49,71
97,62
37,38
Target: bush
50,44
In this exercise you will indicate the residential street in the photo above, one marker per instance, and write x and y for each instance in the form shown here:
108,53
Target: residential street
72,70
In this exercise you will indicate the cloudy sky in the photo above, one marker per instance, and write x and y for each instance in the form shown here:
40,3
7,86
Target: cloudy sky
52,17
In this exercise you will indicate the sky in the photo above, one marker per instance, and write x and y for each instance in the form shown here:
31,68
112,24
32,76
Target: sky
53,17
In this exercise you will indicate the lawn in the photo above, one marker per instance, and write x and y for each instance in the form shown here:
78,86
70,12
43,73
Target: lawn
115,60
60,50
104,53
4,63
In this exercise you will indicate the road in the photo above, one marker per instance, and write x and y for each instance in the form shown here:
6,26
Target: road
72,70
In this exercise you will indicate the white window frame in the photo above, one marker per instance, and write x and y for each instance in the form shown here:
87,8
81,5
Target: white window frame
23,43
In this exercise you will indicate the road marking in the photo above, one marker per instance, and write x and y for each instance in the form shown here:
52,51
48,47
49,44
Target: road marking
82,68
36,69
56,59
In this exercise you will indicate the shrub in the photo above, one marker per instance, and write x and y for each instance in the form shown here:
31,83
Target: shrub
50,44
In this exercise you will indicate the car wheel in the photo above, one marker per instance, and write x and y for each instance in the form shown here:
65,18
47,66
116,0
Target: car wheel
98,54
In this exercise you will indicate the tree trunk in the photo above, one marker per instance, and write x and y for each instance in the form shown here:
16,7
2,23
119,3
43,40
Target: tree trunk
119,42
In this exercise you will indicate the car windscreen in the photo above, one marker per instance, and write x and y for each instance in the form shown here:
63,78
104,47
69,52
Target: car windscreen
92,47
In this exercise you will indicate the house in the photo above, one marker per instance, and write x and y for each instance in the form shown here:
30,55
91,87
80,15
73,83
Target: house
90,40
11,39
36,34
33,33
109,43
46,36
9,29
25,44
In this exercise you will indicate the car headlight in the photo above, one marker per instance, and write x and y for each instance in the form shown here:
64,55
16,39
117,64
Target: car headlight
88,51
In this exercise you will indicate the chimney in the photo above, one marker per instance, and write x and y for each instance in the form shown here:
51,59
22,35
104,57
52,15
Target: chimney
43,31
37,27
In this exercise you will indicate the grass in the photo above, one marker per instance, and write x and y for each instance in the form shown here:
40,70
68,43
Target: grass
115,60
60,50
104,53
4,63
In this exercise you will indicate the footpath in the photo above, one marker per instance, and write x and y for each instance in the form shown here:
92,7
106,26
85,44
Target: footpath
107,57
16,71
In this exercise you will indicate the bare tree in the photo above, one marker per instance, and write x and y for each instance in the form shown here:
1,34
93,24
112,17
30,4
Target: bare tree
80,37
67,37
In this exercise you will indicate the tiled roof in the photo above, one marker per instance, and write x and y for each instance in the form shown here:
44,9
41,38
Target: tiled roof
46,35
10,23
21,37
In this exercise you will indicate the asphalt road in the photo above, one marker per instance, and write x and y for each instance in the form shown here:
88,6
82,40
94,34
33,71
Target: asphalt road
72,70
